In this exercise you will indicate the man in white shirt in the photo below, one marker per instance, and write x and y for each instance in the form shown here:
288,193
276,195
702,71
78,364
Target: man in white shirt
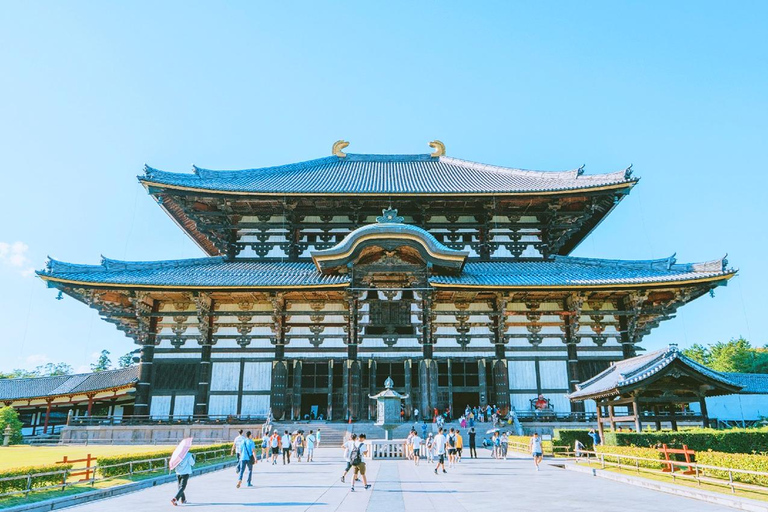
285,443
237,447
311,440
415,447
439,448
348,445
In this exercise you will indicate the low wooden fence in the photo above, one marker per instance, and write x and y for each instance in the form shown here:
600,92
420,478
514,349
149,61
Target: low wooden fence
25,484
683,470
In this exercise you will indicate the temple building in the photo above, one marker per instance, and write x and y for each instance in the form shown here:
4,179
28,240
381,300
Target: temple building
322,278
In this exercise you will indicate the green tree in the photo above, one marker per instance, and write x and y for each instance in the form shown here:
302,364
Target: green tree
102,363
18,373
53,370
736,355
9,416
125,360
698,353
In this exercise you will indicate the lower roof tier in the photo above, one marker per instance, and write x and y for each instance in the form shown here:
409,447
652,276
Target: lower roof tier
219,273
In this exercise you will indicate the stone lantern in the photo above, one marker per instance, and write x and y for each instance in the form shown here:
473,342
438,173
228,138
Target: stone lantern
7,435
388,407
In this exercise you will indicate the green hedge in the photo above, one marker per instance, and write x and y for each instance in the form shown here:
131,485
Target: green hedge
568,437
648,453
754,440
116,465
20,483
736,461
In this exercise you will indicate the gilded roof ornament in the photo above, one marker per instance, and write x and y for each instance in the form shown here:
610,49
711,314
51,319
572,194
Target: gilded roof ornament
338,146
439,148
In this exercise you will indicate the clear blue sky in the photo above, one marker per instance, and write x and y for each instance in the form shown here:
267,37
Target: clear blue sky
92,91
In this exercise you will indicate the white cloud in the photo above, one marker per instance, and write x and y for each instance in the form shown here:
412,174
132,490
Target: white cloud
38,359
83,368
14,255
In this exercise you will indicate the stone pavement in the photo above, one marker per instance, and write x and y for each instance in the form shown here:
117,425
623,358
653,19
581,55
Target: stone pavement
483,484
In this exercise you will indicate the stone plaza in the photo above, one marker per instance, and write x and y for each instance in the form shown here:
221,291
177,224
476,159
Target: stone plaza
480,484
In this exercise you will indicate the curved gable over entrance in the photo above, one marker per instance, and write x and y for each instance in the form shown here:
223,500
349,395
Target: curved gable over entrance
387,235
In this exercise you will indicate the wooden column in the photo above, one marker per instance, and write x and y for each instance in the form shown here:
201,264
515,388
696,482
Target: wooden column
296,402
408,389
90,404
636,412
482,382
329,415
47,415
656,417
146,357
205,309
450,384
704,413
611,419
673,417
572,306
427,386
372,389
599,408
278,399
427,341
501,385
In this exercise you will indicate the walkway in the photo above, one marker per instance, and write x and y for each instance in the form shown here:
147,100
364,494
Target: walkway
483,485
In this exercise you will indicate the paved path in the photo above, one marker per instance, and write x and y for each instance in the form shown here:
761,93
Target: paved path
483,484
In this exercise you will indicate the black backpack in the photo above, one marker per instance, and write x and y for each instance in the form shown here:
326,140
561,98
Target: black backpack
355,457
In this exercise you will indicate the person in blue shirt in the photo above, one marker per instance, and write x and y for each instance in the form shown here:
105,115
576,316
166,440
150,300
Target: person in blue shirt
183,471
246,459
595,438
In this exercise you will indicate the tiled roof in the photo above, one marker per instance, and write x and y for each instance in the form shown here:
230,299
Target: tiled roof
751,383
216,272
631,371
384,174
40,387
570,271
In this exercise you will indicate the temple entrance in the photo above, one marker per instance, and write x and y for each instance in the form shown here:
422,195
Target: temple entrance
462,399
314,405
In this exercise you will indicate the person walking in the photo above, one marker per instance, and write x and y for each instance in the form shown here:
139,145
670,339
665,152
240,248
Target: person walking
450,444
183,472
356,458
311,439
246,459
285,444
504,444
459,445
430,444
274,444
416,415
298,442
536,449
416,447
348,445
237,446
439,447
317,437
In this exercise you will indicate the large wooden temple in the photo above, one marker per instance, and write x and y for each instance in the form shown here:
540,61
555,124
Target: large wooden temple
323,278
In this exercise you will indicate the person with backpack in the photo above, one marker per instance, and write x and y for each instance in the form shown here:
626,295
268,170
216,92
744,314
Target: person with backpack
274,442
311,439
359,449
246,459
298,443
450,444
348,445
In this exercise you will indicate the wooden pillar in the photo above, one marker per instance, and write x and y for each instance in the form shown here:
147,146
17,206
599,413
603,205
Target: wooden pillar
296,402
599,408
372,412
656,417
329,415
627,348
428,386
205,309
450,384
90,405
47,415
673,417
501,385
146,357
408,389
427,340
482,382
278,399
636,412
572,305
352,389
611,419
704,414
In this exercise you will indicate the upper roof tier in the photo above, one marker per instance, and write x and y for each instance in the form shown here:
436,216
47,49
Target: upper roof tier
218,273
385,175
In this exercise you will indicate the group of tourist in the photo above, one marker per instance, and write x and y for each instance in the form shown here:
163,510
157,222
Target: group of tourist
445,447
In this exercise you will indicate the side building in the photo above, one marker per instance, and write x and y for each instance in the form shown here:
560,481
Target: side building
323,278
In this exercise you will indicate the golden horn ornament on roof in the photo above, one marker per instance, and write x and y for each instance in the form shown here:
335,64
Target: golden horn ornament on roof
338,146
439,148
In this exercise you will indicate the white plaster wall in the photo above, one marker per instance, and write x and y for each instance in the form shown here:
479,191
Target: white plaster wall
257,376
522,374
554,374
255,405
737,407
225,376
222,405
160,406
184,405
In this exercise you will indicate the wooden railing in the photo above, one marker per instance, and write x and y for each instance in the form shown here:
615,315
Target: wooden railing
690,471
131,468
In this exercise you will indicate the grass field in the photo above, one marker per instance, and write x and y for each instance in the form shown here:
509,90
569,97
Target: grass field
25,455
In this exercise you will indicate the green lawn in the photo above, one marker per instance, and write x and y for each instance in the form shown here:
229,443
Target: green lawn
26,455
